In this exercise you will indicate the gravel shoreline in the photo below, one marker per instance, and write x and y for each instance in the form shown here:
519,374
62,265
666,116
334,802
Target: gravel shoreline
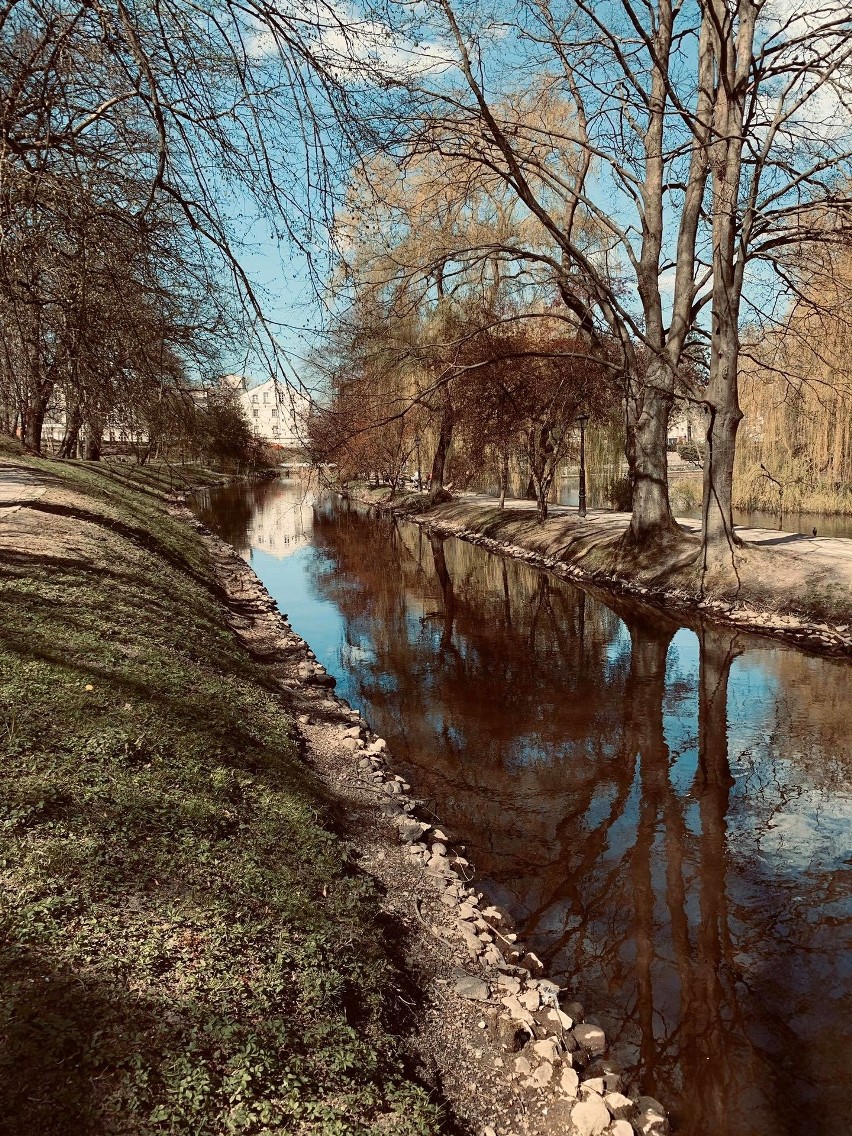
501,1047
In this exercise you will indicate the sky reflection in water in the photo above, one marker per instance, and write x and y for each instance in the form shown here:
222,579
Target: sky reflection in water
664,810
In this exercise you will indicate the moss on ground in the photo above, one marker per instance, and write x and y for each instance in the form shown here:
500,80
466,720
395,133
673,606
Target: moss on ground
186,948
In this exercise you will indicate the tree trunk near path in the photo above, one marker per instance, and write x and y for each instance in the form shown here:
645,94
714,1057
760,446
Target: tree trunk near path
74,421
649,405
445,437
32,426
93,442
542,492
717,507
730,233
504,477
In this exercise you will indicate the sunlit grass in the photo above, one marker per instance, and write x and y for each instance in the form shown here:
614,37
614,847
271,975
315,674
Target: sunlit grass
186,947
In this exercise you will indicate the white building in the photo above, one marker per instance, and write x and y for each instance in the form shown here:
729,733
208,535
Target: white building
276,412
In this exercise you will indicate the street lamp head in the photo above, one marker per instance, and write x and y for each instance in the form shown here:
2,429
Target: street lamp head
582,419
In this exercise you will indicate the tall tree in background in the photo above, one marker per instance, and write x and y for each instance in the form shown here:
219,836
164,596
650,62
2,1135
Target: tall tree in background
714,135
796,382
209,112
440,248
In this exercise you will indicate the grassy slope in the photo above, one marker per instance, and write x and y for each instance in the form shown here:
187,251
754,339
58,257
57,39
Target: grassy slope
185,947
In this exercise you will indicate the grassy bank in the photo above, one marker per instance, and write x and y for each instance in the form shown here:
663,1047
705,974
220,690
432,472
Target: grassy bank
186,947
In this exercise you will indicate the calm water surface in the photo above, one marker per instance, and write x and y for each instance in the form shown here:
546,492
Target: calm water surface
665,810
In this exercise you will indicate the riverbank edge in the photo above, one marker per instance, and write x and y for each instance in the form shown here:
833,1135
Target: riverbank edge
549,1060
159,820
684,599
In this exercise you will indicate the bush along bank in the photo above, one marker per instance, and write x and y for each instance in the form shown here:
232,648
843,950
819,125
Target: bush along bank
187,946
511,1051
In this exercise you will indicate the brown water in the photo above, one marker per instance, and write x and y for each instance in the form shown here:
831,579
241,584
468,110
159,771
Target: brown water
665,810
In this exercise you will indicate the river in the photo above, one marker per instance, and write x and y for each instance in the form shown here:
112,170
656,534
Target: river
665,810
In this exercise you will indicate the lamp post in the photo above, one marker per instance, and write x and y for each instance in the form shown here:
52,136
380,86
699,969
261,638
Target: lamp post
582,419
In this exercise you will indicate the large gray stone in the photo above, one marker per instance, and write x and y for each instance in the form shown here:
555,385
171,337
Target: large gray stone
542,1075
620,1128
569,1082
651,1117
470,938
530,999
470,987
620,1106
546,1049
517,1011
410,831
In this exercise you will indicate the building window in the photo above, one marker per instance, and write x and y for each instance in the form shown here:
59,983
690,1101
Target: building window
274,413
266,396
255,414
254,398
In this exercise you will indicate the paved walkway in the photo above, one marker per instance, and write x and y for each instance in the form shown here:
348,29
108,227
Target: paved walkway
17,487
821,551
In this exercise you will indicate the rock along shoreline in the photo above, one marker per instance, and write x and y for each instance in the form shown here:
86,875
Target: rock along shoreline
509,1051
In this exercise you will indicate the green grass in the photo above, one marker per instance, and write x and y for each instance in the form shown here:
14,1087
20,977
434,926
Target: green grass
187,949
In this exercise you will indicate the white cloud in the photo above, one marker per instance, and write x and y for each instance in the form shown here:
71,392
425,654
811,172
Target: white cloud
352,46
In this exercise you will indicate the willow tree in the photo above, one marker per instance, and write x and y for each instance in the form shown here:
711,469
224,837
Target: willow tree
796,382
430,244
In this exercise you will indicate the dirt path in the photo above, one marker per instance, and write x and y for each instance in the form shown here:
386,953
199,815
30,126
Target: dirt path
17,487
832,554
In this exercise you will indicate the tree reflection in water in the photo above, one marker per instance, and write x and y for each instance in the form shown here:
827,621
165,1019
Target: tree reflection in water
664,811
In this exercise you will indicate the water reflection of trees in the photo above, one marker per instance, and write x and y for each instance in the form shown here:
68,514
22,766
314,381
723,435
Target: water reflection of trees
228,511
590,773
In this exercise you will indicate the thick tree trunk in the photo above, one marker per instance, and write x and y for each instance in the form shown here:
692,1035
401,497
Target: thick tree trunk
541,498
445,437
94,442
68,449
731,231
723,420
504,477
32,426
648,410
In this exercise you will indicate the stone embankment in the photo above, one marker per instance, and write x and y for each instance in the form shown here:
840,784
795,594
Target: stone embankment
508,1050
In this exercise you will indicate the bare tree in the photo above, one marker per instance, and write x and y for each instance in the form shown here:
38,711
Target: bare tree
701,153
